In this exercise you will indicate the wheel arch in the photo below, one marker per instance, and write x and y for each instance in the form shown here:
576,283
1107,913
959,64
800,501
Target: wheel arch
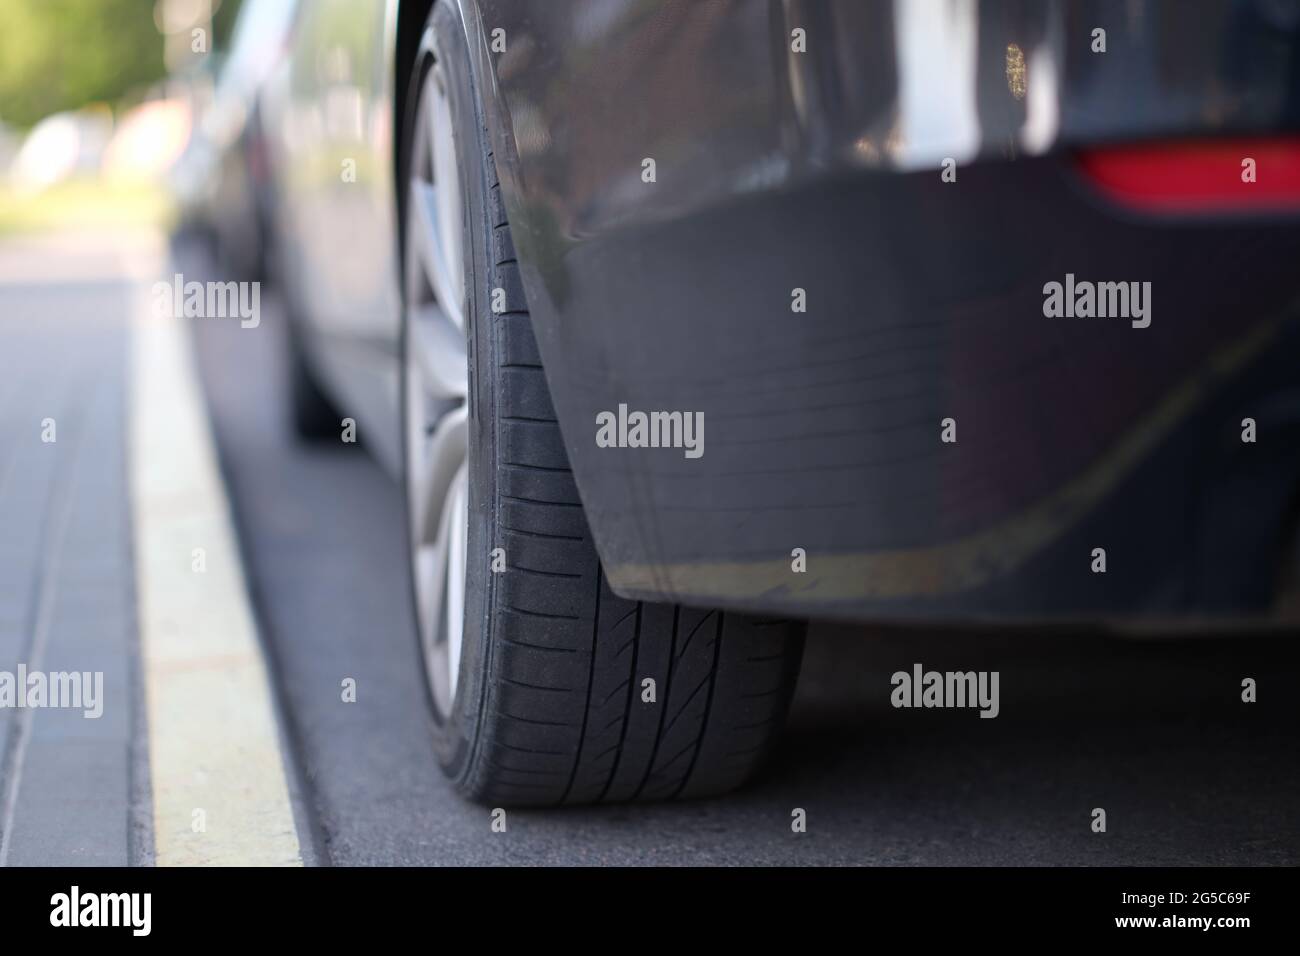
411,18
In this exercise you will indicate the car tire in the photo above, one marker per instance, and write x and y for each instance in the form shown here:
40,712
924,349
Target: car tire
313,416
565,692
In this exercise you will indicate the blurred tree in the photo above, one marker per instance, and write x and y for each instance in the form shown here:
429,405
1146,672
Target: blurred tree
62,54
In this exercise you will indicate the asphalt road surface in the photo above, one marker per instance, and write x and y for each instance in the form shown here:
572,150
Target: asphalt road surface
1154,730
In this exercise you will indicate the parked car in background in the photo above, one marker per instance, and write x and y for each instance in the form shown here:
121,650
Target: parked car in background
680,322
223,179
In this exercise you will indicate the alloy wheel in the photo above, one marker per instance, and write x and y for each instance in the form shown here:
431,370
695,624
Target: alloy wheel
435,384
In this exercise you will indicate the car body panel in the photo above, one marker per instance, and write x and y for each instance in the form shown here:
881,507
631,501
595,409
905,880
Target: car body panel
331,113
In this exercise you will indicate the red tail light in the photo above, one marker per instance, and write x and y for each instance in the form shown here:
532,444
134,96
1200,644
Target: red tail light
1205,176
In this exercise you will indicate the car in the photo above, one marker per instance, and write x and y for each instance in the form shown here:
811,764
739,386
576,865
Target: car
989,310
222,181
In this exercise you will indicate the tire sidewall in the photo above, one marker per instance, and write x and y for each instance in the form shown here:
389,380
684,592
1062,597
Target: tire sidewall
444,40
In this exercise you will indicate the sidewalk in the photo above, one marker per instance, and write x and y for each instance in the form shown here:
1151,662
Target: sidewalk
72,790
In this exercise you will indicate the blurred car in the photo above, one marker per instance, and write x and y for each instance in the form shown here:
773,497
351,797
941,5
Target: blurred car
530,245
222,180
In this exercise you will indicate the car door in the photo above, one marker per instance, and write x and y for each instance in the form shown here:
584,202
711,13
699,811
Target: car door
334,139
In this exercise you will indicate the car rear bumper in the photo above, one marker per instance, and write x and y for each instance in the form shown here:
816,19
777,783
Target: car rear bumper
925,302
779,171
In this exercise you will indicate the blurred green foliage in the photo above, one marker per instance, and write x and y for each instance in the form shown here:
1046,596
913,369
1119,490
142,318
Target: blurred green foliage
63,54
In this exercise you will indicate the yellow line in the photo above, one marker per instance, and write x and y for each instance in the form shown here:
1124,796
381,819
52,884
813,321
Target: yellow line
220,794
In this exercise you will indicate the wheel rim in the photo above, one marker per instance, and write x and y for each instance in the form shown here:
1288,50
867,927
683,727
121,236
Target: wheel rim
436,391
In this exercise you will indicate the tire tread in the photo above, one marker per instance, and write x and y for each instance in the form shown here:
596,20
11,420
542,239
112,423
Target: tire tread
566,722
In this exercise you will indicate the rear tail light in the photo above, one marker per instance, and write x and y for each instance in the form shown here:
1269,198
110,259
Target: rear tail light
1254,175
